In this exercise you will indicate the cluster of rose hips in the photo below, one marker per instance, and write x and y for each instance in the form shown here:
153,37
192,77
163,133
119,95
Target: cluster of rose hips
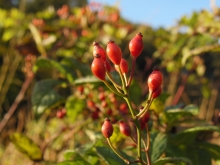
101,68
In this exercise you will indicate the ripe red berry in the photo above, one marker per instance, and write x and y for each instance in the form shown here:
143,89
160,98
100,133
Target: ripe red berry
123,66
155,80
97,49
107,128
109,112
124,128
59,114
145,120
157,92
136,45
98,67
123,108
90,104
114,52
63,110
101,96
108,66
80,89
95,115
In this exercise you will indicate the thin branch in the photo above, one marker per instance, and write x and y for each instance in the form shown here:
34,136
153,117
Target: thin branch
18,99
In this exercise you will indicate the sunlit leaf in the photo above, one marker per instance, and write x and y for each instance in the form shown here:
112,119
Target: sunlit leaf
158,146
8,34
109,156
74,106
26,146
211,128
175,160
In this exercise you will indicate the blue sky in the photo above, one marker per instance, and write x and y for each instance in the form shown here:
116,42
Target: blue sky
158,12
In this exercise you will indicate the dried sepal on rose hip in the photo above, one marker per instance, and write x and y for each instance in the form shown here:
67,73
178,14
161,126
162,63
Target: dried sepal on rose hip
155,80
136,45
124,128
107,128
97,49
113,52
98,67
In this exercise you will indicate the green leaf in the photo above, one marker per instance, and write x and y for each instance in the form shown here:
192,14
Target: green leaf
26,146
201,128
37,38
44,96
198,156
63,69
175,116
87,79
78,161
74,106
159,145
70,154
135,91
8,34
213,149
109,156
175,160
80,68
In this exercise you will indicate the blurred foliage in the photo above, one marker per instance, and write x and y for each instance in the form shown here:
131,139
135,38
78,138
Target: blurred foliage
55,45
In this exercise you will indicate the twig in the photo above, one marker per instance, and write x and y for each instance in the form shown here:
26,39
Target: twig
18,99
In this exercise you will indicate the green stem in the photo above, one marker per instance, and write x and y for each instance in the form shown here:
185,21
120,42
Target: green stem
113,90
130,106
148,146
146,107
117,86
116,152
132,71
125,77
121,76
139,143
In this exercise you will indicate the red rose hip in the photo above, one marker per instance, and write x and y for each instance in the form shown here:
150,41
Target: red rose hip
155,80
157,92
107,128
136,45
124,66
124,128
98,67
97,49
114,52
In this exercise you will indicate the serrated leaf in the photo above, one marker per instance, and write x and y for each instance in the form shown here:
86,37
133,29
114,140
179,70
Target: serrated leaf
26,146
44,96
74,106
163,161
158,146
109,156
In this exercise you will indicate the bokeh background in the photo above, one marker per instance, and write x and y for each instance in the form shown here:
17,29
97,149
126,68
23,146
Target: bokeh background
52,107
